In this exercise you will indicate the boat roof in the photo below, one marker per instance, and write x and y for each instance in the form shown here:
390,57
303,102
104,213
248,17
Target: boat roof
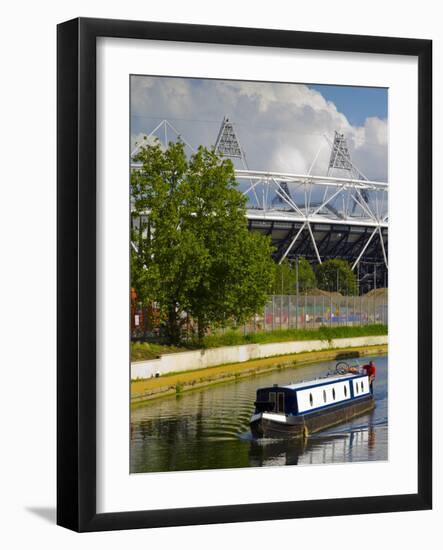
320,381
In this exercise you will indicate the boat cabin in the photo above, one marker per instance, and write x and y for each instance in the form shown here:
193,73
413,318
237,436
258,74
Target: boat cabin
305,397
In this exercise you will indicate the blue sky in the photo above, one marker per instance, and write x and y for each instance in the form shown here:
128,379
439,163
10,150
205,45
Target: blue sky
356,102
281,127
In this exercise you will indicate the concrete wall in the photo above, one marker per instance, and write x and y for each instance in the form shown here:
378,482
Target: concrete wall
201,359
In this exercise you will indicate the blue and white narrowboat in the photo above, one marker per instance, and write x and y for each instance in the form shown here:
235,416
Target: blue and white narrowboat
298,409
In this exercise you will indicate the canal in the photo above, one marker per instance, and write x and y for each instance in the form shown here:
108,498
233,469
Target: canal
209,428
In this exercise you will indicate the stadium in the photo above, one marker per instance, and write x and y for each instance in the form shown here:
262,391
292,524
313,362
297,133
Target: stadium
339,215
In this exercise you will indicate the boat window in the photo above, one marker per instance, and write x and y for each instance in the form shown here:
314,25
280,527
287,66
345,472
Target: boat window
281,402
311,400
361,385
272,396
356,388
324,396
333,393
346,391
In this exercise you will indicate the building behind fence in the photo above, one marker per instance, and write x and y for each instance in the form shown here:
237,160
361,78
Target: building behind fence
285,312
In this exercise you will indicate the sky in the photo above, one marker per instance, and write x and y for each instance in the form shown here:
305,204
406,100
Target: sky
355,102
281,127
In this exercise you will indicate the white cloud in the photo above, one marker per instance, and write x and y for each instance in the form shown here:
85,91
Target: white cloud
370,148
281,126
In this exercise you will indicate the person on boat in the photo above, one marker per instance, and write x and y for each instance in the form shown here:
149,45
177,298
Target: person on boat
370,371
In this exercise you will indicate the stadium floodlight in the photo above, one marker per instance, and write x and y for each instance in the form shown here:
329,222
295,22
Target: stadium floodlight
227,143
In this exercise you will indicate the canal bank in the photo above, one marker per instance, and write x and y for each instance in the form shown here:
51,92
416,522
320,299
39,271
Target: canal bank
175,383
202,358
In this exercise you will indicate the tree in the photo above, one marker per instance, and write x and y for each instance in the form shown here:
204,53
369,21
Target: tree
336,275
306,275
194,253
285,281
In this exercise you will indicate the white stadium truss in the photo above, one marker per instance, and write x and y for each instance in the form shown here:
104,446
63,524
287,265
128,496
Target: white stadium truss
340,215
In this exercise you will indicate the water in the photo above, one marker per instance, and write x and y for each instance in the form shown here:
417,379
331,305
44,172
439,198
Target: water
209,428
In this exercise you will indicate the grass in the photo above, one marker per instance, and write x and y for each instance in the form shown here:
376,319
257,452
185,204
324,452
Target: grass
143,350
235,338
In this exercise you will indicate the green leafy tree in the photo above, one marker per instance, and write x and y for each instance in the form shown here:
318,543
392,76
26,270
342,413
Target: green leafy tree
193,251
285,281
306,275
336,276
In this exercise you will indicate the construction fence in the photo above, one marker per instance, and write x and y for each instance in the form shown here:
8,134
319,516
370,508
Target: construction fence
284,312
309,312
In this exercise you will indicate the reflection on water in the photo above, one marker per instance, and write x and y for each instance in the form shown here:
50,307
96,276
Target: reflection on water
356,445
209,428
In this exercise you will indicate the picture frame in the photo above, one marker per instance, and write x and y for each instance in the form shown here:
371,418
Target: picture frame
77,274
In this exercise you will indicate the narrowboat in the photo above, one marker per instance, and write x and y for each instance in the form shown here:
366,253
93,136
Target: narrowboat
298,409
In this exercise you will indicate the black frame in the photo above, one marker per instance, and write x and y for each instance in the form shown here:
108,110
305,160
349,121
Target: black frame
76,265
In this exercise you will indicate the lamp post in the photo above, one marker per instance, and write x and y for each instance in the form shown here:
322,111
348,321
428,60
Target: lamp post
281,299
296,292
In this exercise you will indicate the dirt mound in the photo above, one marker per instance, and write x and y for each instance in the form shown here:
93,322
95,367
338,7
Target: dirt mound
318,292
377,293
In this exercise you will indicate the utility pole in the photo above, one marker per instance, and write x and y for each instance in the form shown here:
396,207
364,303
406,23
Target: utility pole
375,276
